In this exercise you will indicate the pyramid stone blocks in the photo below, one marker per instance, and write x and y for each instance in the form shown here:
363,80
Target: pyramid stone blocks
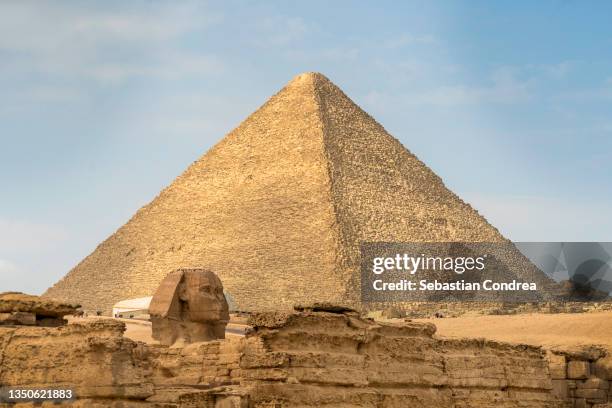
278,209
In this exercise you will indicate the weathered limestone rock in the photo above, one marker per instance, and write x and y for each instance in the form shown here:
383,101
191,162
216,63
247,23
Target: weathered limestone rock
585,353
97,403
580,403
18,318
578,369
594,383
323,307
17,308
557,365
602,368
91,358
313,359
188,307
393,313
560,389
586,383
591,394
292,359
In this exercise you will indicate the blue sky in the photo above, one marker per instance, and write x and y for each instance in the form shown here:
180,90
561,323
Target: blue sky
103,103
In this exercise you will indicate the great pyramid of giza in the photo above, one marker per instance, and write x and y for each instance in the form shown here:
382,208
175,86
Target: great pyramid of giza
278,209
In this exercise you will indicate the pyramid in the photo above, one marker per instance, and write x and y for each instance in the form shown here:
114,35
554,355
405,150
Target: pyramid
278,209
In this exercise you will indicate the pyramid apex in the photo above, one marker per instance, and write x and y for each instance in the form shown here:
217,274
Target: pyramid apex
308,77
312,83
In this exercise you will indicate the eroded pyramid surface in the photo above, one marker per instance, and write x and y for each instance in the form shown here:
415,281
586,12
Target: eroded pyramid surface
278,208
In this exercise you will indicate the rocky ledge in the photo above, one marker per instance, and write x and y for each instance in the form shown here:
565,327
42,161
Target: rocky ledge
20,309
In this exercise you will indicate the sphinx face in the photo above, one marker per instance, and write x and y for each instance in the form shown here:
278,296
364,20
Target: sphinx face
203,292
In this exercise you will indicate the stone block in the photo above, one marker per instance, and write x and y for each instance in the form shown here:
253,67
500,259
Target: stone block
232,401
585,353
593,383
557,366
18,318
559,389
591,394
578,369
602,368
20,302
393,313
580,403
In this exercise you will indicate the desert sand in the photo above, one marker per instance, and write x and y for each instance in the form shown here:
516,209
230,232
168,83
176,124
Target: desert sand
558,331
140,330
551,330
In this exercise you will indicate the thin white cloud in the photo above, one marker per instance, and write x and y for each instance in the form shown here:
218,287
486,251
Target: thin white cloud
602,93
28,26
7,267
9,276
114,44
546,219
405,39
49,94
184,116
277,31
17,236
559,70
505,87
338,54
168,66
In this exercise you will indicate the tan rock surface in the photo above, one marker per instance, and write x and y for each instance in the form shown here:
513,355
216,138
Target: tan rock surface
20,302
603,367
91,358
288,359
578,370
330,359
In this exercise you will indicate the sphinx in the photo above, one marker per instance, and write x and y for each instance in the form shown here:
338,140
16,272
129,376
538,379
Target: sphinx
188,307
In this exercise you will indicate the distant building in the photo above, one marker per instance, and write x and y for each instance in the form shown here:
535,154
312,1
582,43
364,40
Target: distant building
132,308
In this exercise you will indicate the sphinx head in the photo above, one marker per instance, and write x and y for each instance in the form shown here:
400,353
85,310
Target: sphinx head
201,293
189,306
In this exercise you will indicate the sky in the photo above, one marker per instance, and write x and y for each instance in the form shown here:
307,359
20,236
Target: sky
103,103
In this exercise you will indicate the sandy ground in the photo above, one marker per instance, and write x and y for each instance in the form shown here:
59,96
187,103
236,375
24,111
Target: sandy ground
140,330
550,330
